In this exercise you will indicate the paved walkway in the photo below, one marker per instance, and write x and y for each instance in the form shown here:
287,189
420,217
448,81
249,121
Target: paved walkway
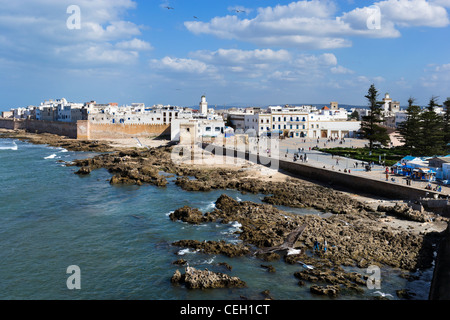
321,159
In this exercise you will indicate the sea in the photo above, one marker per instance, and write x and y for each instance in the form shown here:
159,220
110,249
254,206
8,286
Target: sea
120,238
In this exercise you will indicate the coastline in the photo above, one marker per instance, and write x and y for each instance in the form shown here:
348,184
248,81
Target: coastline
412,241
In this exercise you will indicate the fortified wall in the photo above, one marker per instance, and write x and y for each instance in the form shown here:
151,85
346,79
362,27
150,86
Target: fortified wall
85,130
99,131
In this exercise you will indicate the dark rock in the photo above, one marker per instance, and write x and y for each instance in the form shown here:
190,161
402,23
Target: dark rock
205,279
332,291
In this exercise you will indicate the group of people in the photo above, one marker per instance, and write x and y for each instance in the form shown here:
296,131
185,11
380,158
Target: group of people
437,188
303,158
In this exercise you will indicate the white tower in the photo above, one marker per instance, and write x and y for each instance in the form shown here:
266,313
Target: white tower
387,102
203,106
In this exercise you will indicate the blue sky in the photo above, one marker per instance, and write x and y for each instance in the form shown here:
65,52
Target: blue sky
249,52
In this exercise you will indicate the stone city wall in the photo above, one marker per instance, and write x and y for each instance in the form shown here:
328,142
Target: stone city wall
85,130
97,131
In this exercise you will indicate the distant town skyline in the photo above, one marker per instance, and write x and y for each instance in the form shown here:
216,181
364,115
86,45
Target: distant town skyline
243,53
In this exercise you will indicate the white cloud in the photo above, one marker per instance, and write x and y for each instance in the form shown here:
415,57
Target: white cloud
134,44
315,24
243,57
258,66
414,13
341,70
104,35
180,65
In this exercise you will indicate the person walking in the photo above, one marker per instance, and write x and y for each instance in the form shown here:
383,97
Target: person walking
316,246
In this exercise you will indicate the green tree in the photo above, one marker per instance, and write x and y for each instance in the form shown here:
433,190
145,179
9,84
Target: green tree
369,125
447,124
409,130
431,138
354,115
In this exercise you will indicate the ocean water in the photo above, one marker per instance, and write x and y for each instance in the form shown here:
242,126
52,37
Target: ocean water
120,237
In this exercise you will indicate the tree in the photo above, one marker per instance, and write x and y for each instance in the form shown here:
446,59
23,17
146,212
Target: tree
431,137
447,124
369,125
409,130
354,115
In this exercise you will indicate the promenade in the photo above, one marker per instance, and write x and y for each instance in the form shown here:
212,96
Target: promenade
320,159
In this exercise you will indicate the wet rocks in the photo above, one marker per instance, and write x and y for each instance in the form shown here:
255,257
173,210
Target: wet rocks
405,294
331,291
352,239
83,171
214,247
405,212
269,268
205,279
190,215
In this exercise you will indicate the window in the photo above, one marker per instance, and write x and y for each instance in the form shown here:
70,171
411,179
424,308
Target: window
273,127
217,129
208,129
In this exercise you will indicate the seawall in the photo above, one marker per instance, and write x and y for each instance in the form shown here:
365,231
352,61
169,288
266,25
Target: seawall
86,130
67,129
440,284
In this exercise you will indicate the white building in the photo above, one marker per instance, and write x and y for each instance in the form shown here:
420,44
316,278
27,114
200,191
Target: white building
134,114
210,126
390,107
205,124
297,122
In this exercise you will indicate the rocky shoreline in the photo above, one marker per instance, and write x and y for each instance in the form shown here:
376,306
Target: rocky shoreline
356,233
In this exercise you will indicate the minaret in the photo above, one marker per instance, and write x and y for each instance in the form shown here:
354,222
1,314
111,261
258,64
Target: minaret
203,106
387,102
